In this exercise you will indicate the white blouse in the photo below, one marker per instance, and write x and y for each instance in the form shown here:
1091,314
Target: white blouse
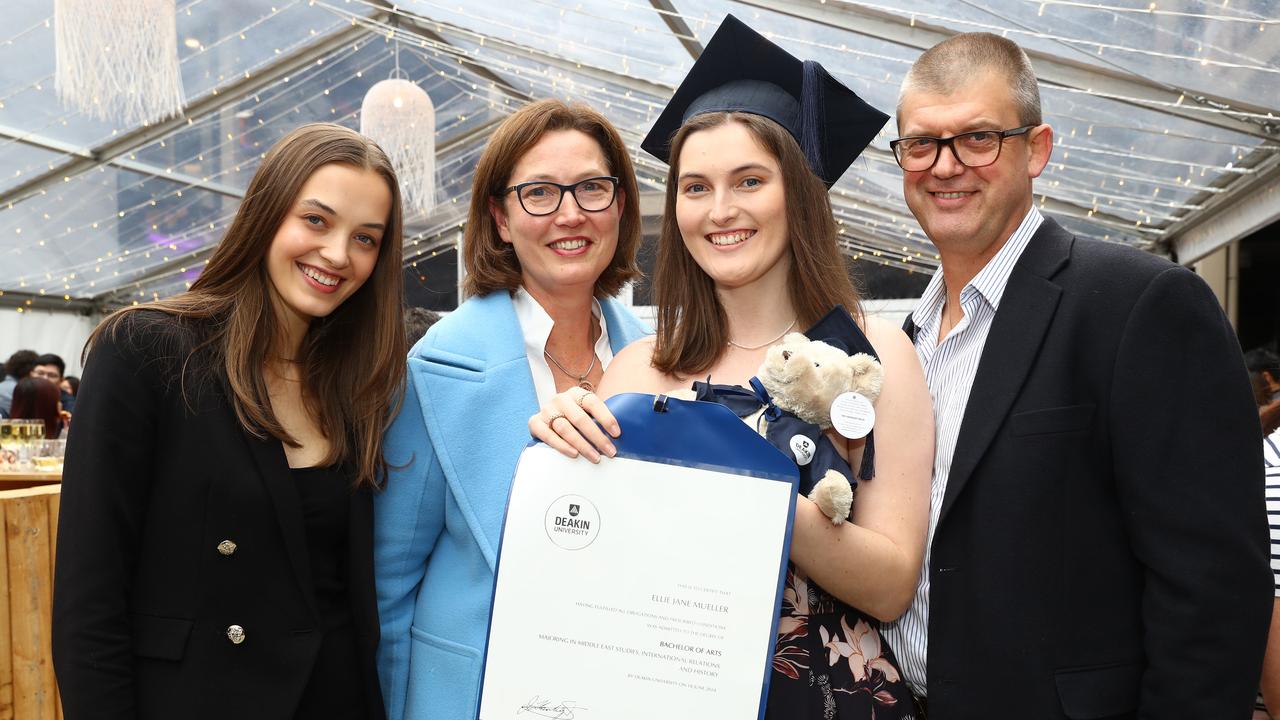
536,326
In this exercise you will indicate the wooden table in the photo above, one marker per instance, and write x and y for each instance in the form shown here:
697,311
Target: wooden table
13,481
28,535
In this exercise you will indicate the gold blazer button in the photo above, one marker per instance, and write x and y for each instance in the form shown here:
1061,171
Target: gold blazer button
226,547
235,634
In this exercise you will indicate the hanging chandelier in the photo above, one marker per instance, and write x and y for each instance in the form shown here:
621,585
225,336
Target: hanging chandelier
399,116
118,61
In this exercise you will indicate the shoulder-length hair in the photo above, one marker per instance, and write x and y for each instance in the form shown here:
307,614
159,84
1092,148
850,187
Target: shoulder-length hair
352,361
692,327
491,263
37,399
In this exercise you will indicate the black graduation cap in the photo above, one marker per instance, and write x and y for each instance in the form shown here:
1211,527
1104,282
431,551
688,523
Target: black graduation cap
741,71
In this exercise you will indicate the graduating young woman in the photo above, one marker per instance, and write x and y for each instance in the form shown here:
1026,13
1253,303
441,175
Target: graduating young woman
748,253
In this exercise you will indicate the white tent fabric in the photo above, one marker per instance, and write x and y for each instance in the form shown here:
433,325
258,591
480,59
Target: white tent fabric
46,331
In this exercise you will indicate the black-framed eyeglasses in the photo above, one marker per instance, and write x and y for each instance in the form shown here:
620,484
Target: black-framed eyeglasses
541,197
979,148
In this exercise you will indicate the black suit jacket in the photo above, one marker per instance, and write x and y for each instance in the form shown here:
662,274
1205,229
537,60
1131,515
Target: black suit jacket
1102,545
143,596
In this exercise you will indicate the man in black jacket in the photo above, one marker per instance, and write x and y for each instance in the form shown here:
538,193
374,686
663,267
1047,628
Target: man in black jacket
1098,541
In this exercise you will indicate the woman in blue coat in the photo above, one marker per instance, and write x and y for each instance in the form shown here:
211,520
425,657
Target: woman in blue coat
552,234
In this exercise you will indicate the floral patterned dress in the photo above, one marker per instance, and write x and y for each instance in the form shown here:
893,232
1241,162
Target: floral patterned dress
831,662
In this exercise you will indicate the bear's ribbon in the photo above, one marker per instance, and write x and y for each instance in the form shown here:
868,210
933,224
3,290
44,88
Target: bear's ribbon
771,412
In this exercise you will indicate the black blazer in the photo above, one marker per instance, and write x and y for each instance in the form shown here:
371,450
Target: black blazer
1102,546
145,588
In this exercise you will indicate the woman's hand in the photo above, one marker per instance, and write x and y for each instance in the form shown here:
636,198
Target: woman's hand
568,424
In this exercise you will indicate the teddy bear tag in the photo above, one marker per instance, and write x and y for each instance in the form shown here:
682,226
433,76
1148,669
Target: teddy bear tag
803,448
852,415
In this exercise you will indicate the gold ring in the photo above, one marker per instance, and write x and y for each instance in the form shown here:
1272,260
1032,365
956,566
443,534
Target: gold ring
583,397
554,418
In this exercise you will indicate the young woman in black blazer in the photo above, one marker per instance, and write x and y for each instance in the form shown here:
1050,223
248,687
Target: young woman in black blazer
215,536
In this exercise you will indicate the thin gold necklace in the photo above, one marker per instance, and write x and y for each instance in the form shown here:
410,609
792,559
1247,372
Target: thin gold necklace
785,330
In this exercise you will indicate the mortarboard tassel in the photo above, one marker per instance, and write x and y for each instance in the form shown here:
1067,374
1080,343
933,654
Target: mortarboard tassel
813,115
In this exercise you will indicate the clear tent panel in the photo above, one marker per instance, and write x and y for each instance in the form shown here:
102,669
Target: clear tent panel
218,42
1136,162
19,161
1125,168
1219,48
213,158
626,38
105,229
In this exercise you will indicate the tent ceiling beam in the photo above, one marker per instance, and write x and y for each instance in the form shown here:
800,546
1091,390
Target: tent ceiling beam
41,142
9,299
211,102
1051,69
46,143
675,22
1252,203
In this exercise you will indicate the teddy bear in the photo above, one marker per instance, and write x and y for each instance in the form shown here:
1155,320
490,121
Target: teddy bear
804,377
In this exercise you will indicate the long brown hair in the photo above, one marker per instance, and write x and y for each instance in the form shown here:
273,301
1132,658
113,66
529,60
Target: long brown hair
491,263
36,399
692,327
352,360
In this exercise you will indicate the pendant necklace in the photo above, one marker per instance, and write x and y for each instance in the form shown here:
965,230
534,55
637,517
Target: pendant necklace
582,379
766,344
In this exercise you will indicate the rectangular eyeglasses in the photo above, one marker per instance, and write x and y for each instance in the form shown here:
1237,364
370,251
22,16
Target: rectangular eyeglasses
542,197
972,149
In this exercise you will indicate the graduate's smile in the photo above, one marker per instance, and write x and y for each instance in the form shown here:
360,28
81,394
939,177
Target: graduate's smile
731,206
729,239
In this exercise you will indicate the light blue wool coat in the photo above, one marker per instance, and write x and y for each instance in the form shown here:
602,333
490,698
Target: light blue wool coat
453,449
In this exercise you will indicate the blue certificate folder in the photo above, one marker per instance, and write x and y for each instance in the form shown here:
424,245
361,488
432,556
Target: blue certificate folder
668,433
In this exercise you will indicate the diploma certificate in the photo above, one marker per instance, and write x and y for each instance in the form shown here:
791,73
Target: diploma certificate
635,589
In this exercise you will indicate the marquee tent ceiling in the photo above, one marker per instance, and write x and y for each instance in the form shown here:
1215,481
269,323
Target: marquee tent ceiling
1166,115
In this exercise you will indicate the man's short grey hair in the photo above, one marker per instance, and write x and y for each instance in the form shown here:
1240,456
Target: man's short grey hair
955,62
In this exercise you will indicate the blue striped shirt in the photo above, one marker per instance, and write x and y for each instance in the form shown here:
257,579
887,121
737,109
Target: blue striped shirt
949,369
1271,460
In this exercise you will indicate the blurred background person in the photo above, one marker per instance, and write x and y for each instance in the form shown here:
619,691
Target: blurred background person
37,399
70,386
417,321
52,368
18,366
1264,373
